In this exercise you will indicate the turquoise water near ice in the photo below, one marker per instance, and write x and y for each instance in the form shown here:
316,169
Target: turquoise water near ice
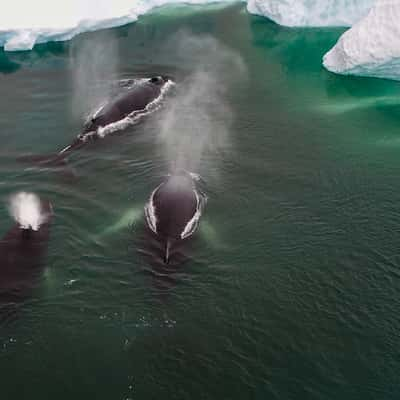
291,290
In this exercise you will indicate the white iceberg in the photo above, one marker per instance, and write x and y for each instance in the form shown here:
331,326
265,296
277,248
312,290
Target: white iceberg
311,13
23,23
372,46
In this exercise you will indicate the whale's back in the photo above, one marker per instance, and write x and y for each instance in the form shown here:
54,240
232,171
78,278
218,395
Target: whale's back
175,203
134,99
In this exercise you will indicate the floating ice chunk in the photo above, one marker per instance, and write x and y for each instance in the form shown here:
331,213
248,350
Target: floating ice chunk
311,12
372,46
24,23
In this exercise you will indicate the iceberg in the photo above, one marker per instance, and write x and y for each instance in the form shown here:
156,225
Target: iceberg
372,46
311,13
24,23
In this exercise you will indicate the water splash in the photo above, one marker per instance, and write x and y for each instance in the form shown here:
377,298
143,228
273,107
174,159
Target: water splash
27,210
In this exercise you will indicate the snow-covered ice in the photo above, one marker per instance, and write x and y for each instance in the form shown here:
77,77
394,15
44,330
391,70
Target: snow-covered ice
372,46
23,23
311,13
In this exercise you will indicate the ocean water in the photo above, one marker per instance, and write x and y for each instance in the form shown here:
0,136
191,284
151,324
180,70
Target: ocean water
290,289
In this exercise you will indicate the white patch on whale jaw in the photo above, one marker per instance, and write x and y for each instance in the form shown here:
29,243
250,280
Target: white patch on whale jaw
150,211
27,211
192,225
96,113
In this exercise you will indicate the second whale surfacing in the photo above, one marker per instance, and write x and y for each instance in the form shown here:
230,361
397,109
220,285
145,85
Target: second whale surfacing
132,103
23,248
173,212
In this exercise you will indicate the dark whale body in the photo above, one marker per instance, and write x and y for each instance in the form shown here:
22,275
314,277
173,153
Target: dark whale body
22,253
173,212
135,99
131,101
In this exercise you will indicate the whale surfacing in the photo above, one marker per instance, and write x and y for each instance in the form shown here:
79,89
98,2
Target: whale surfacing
135,99
173,211
24,246
134,102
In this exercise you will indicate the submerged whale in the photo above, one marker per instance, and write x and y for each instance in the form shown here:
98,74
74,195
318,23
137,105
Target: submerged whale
173,211
133,102
23,247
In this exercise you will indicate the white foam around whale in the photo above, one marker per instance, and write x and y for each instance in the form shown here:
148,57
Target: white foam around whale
130,119
24,23
27,210
135,116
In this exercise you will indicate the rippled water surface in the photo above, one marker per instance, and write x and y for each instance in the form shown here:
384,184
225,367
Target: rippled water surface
291,286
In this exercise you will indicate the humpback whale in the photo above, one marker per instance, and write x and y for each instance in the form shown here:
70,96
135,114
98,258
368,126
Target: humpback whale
173,211
23,247
133,102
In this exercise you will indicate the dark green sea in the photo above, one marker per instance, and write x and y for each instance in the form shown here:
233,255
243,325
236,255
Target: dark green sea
292,287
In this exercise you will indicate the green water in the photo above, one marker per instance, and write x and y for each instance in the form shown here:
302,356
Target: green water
292,288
